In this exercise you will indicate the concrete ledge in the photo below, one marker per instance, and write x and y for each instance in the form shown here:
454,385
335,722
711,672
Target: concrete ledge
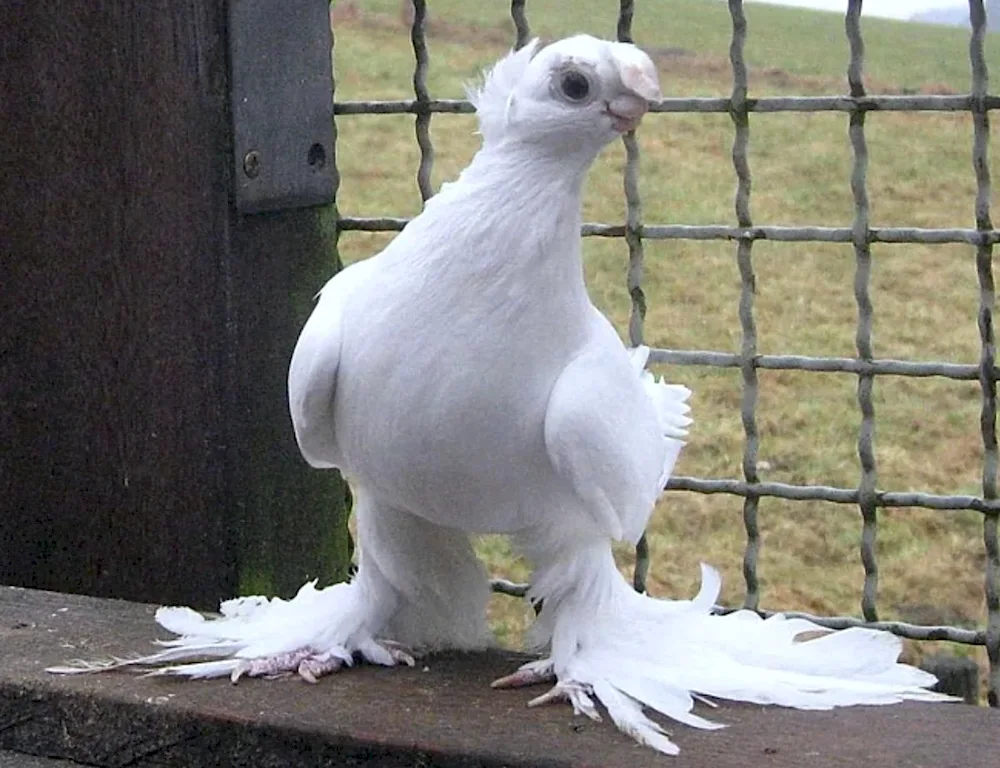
442,713
21,760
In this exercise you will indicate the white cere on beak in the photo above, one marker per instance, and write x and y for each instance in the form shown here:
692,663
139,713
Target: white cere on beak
637,72
640,82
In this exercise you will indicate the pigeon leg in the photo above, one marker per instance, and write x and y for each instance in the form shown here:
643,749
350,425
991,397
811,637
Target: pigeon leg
417,582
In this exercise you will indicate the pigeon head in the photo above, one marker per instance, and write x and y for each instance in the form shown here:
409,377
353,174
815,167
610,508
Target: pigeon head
571,96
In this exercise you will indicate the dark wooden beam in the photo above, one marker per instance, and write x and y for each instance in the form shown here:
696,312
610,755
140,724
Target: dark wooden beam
145,328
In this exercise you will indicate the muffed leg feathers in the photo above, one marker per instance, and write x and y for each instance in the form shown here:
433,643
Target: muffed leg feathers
630,652
419,586
440,588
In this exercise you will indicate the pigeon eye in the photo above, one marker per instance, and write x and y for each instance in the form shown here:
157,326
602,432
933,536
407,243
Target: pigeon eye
575,86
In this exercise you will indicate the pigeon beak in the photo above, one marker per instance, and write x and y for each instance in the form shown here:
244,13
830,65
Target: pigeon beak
638,75
626,112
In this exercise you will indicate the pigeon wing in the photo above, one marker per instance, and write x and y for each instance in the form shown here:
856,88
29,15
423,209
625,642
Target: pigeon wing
312,374
605,436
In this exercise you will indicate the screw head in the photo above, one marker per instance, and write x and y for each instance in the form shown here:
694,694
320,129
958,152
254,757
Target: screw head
316,156
251,164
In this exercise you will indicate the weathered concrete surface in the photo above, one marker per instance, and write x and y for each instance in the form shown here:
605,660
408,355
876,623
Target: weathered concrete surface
21,760
442,713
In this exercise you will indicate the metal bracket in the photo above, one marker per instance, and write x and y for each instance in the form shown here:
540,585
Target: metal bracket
281,101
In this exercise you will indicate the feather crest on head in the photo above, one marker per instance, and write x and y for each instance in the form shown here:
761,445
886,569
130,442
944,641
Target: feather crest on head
492,99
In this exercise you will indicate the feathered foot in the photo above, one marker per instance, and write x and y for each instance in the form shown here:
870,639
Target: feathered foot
316,633
417,582
628,652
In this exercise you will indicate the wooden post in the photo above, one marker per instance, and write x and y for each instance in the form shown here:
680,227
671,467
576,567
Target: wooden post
145,327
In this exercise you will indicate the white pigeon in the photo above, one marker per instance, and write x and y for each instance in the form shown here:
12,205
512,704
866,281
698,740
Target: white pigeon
464,383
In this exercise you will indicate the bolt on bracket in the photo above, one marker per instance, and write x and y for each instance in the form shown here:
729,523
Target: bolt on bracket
281,103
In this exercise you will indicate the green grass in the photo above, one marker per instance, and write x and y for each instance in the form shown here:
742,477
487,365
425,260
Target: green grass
925,297
900,55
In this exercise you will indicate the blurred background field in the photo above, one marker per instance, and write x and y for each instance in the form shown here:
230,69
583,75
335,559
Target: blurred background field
925,297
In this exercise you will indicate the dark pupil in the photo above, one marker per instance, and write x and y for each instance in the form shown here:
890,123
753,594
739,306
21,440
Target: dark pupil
575,86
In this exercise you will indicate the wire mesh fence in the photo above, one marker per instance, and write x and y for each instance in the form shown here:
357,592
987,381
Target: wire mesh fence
866,496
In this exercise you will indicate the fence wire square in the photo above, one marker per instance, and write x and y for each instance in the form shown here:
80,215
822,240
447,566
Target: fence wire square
744,233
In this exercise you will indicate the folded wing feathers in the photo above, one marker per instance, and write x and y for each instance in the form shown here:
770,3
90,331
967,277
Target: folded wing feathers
669,400
671,407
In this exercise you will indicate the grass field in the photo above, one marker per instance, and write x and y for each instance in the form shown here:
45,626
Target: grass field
925,297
